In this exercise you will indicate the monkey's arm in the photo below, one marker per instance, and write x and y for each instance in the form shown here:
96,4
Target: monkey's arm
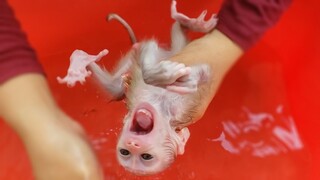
156,72
113,83
176,76
77,72
199,74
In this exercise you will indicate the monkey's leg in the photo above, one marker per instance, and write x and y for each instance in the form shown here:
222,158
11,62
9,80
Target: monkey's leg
178,38
194,24
185,82
175,76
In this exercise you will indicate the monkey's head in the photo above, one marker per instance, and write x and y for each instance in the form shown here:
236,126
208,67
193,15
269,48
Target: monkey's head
148,143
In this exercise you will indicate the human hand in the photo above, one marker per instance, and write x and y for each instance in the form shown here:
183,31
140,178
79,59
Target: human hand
56,145
217,51
59,150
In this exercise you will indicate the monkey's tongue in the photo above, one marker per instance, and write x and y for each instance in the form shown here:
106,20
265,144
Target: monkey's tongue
144,119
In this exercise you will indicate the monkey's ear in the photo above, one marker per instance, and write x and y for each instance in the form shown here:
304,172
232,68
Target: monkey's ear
184,135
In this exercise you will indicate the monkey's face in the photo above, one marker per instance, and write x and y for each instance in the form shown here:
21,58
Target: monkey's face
148,144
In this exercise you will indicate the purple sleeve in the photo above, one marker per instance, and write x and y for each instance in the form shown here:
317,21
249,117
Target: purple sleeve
245,21
16,55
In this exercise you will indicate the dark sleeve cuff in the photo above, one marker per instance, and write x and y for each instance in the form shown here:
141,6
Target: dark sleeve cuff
245,21
16,55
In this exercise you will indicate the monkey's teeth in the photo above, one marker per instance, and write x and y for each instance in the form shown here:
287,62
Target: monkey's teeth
147,113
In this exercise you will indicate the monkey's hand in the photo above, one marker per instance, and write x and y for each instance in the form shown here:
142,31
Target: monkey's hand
194,24
189,83
176,76
79,60
164,73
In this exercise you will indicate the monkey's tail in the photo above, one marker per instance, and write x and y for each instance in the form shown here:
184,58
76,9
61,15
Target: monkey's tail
125,24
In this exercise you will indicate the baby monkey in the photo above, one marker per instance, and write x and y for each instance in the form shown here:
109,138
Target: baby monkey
160,95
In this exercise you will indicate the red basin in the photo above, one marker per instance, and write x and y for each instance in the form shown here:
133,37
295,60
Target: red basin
277,83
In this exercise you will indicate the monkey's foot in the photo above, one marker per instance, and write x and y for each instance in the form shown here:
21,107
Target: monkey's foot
194,24
77,72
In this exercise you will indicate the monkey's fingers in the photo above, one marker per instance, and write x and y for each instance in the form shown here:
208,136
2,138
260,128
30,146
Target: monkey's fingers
61,80
173,71
73,77
181,74
66,80
181,89
176,15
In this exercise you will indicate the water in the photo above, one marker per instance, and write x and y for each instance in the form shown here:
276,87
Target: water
261,135
262,124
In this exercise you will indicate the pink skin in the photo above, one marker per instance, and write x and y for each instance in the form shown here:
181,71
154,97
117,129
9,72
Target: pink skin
143,120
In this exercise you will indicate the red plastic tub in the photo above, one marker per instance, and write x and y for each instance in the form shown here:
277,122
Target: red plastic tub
264,123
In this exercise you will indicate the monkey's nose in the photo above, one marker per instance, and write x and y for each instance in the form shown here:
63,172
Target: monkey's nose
133,144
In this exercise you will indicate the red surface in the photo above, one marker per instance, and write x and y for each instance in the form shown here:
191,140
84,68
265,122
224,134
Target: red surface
284,68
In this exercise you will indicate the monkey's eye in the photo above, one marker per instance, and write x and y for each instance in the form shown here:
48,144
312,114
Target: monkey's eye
146,156
124,152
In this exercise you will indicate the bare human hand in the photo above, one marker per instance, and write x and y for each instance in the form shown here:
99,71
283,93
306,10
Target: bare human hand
56,145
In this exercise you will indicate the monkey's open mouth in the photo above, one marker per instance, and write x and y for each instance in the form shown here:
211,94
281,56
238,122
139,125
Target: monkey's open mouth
142,122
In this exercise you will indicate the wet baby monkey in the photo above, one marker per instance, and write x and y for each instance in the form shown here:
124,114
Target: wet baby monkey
161,95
